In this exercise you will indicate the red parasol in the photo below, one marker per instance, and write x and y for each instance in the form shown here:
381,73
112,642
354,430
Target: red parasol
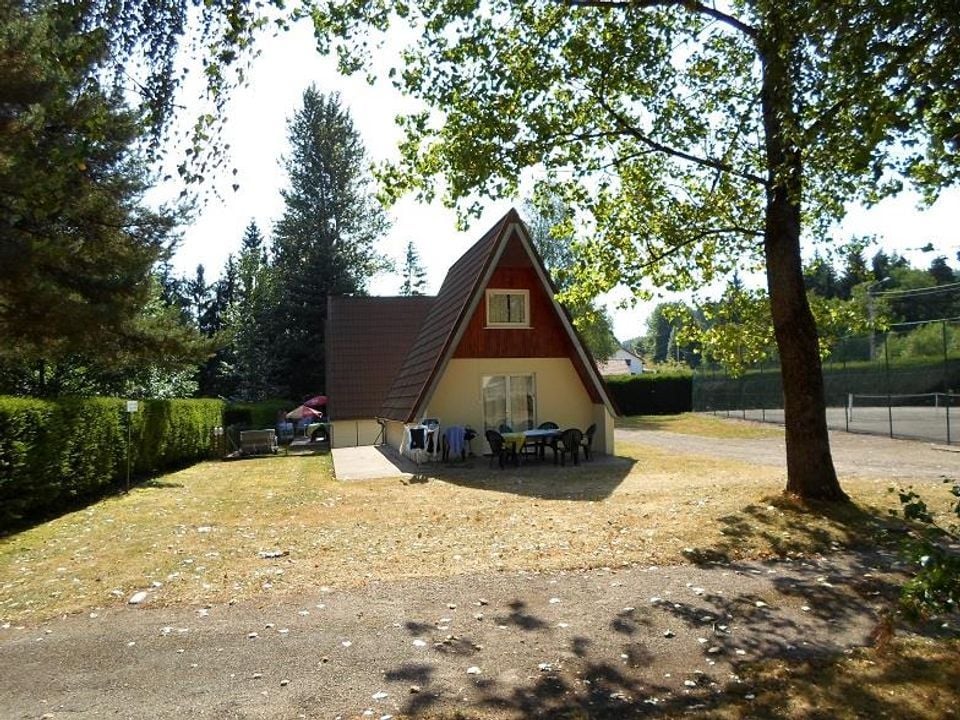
303,412
316,401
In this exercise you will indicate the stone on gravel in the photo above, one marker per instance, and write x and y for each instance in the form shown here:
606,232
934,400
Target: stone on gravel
473,670
269,554
137,597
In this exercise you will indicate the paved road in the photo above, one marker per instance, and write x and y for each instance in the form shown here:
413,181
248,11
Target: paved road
499,645
853,454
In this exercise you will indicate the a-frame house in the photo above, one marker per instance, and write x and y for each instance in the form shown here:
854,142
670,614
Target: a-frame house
493,347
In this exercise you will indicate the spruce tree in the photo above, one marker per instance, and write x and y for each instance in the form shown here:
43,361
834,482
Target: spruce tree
324,242
414,274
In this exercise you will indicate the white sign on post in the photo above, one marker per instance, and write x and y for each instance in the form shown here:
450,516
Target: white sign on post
132,406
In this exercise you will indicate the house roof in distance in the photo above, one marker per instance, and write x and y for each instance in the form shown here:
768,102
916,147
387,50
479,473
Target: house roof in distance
367,339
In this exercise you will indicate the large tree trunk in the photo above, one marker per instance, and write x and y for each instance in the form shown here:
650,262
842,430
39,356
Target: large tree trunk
810,471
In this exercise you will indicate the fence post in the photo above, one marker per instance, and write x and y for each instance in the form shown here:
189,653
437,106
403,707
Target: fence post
763,399
886,364
946,374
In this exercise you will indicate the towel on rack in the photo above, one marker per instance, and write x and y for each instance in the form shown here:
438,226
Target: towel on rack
455,436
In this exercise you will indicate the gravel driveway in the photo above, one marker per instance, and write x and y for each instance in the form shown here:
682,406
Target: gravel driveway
853,454
599,642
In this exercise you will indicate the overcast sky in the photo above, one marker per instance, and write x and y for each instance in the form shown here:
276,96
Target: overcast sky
256,132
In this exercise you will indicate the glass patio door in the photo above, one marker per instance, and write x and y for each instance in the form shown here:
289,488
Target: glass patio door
509,400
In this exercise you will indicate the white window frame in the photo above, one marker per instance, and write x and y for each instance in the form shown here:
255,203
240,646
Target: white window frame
495,292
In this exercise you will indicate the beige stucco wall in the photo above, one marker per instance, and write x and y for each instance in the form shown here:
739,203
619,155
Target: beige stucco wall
561,396
394,433
353,433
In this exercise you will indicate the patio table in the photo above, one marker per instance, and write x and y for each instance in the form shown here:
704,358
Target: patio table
537,438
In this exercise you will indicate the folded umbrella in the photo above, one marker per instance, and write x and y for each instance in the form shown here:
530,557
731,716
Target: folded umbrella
303,411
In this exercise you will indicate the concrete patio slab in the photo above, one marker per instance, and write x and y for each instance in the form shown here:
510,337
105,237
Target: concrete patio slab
370,463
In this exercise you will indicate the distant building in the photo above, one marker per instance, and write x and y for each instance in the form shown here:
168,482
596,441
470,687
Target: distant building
622,362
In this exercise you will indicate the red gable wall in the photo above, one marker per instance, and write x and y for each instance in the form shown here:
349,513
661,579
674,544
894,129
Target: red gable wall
545,338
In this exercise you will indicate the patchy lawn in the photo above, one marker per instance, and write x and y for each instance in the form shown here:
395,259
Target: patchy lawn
716,426
910,678
209,534
196,535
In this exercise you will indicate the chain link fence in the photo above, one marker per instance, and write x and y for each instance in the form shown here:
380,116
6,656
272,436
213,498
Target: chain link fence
903,383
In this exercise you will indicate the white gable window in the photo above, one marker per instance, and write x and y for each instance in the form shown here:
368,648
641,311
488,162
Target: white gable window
508,308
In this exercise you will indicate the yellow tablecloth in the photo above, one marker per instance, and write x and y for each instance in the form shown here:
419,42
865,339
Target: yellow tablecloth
514,441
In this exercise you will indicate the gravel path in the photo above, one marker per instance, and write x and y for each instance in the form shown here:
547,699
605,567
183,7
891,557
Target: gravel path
600,642
853,454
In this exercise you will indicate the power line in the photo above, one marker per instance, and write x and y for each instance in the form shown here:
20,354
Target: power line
910,292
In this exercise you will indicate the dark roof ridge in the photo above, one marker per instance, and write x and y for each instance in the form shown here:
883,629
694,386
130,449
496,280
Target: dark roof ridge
439,325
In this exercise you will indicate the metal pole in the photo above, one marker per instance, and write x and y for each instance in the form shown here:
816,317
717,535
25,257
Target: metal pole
886,362
129,426
763,400
946,374
846,381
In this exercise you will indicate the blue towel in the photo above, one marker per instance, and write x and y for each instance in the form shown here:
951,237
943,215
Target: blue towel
454,436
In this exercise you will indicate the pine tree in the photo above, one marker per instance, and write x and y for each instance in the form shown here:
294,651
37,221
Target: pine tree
324,242
77,245
414,275
251,323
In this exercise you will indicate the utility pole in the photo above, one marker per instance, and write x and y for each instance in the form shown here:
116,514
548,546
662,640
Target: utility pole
872,313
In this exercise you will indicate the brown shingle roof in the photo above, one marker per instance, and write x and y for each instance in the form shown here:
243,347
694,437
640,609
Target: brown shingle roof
367,339
438,327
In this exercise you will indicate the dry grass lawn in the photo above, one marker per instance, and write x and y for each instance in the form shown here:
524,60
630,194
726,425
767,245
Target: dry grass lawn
196,535
701,424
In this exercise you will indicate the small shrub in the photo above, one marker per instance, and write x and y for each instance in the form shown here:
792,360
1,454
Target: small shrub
935,586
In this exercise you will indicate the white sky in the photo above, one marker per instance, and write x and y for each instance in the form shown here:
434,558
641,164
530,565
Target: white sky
256,132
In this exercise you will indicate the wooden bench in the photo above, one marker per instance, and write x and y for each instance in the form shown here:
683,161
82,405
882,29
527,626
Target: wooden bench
258,442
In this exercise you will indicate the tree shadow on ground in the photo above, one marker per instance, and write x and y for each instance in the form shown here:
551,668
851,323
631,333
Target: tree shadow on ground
619,674
591,480
789,527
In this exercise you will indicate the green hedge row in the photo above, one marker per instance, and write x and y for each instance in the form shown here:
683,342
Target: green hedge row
764,390
651,393
54,453
256,415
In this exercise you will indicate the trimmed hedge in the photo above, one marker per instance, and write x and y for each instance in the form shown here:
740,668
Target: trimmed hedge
756,389
54,453
256,415
651,393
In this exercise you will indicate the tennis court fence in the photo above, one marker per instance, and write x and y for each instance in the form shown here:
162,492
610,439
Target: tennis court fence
904,383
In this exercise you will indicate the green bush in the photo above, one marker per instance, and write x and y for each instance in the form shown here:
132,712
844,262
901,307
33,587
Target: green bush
56,453
258,415
651,393
929,550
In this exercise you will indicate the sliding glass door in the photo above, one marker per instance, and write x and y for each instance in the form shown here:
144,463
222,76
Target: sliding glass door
509,401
